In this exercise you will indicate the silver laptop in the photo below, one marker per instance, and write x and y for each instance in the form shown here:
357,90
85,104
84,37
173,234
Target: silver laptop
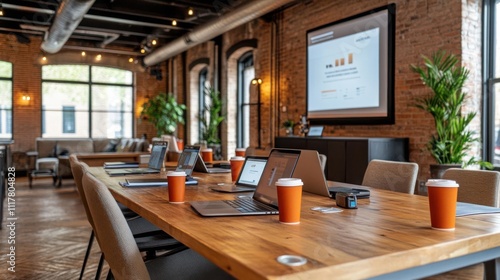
202,167
249,176
155,164
187,160
280,164
310,171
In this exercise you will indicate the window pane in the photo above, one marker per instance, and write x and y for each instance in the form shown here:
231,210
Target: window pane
69,119
66,72
497,124
5,69
111,75
57,95
6,94
112,98
497,45
54,127
112,125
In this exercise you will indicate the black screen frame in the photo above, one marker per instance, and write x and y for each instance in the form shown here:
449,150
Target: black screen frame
356,116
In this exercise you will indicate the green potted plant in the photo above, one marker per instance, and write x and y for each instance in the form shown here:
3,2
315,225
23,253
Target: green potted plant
288,125
210,119
452,140
164,113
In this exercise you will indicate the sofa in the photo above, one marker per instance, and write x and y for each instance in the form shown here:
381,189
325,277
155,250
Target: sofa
93,151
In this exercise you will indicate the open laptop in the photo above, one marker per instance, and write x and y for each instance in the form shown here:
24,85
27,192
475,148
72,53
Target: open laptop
202,167
280,164
249,176
187,160
312,175
155,164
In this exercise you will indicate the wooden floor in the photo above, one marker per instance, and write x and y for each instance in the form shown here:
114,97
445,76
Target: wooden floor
52,233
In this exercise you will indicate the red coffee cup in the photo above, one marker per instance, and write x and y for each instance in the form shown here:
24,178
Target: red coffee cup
442,203
176,186
236,165
289,200
207,155
240,152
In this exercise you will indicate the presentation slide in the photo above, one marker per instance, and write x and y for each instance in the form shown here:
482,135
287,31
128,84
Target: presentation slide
343,73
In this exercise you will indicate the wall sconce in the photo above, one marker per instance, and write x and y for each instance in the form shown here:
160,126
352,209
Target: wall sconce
25,100
257,82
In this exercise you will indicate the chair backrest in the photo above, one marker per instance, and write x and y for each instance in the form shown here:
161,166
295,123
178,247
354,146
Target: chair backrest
391,175
115,238
322,161
78,169
476,186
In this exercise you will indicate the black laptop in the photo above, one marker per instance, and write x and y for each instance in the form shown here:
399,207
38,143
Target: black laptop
158,154
202,167
280,164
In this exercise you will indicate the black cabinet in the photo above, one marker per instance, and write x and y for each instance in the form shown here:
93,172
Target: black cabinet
347,158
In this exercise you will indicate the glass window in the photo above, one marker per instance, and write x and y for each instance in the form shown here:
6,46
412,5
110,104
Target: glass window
5,100
90,108
202,85
246,72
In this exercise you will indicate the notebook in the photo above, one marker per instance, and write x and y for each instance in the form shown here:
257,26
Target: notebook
158,153
202,167
280,164
312,175
249,176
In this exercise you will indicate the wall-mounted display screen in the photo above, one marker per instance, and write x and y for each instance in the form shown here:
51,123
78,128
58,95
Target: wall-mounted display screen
350,69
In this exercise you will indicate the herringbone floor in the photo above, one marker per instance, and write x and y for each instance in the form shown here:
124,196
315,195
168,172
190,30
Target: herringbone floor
51,234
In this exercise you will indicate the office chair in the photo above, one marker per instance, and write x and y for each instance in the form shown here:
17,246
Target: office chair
391,175
476,186
148,237
121,252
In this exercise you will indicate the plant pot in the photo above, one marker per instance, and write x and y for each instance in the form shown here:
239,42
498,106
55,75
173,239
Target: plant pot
437,170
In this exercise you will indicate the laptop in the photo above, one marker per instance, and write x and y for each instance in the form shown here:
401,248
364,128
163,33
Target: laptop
280,164
155,164
310,171
315,131
202,167
187,160
249,176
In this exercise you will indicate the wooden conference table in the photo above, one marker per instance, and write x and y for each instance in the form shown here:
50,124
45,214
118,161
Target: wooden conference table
387,237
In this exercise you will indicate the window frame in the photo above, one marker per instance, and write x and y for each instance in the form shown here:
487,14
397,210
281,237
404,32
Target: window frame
11,110
90,84
246,60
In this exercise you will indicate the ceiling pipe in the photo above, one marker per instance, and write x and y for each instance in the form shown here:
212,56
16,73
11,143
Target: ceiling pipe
241,15
68,16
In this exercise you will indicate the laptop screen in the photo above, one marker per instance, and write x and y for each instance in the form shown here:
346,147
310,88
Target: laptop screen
281,164
187,160
251,171
158,153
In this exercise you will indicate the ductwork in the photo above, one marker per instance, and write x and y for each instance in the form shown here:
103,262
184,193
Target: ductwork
241,15
67,18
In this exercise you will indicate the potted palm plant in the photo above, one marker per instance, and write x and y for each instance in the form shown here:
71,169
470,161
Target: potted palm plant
164,113
211,118
452,140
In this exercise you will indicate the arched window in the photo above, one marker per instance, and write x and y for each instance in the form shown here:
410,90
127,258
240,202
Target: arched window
246,73
87,101
202,85
5,100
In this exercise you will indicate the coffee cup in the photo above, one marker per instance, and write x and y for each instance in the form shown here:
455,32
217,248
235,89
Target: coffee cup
236,165
442,203
207,155
289,200
176,186
240,152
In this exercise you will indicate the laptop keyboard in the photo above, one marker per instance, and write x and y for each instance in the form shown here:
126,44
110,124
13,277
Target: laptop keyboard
249,205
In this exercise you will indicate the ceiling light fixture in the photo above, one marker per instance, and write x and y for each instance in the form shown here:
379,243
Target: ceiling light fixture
131,60
154,42
83,54
98,57
44,58
174,22
190,11
143,50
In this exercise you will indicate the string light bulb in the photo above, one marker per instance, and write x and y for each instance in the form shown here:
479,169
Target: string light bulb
84,54
174,22
190,11
143,50
131,60
98,57
154,42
